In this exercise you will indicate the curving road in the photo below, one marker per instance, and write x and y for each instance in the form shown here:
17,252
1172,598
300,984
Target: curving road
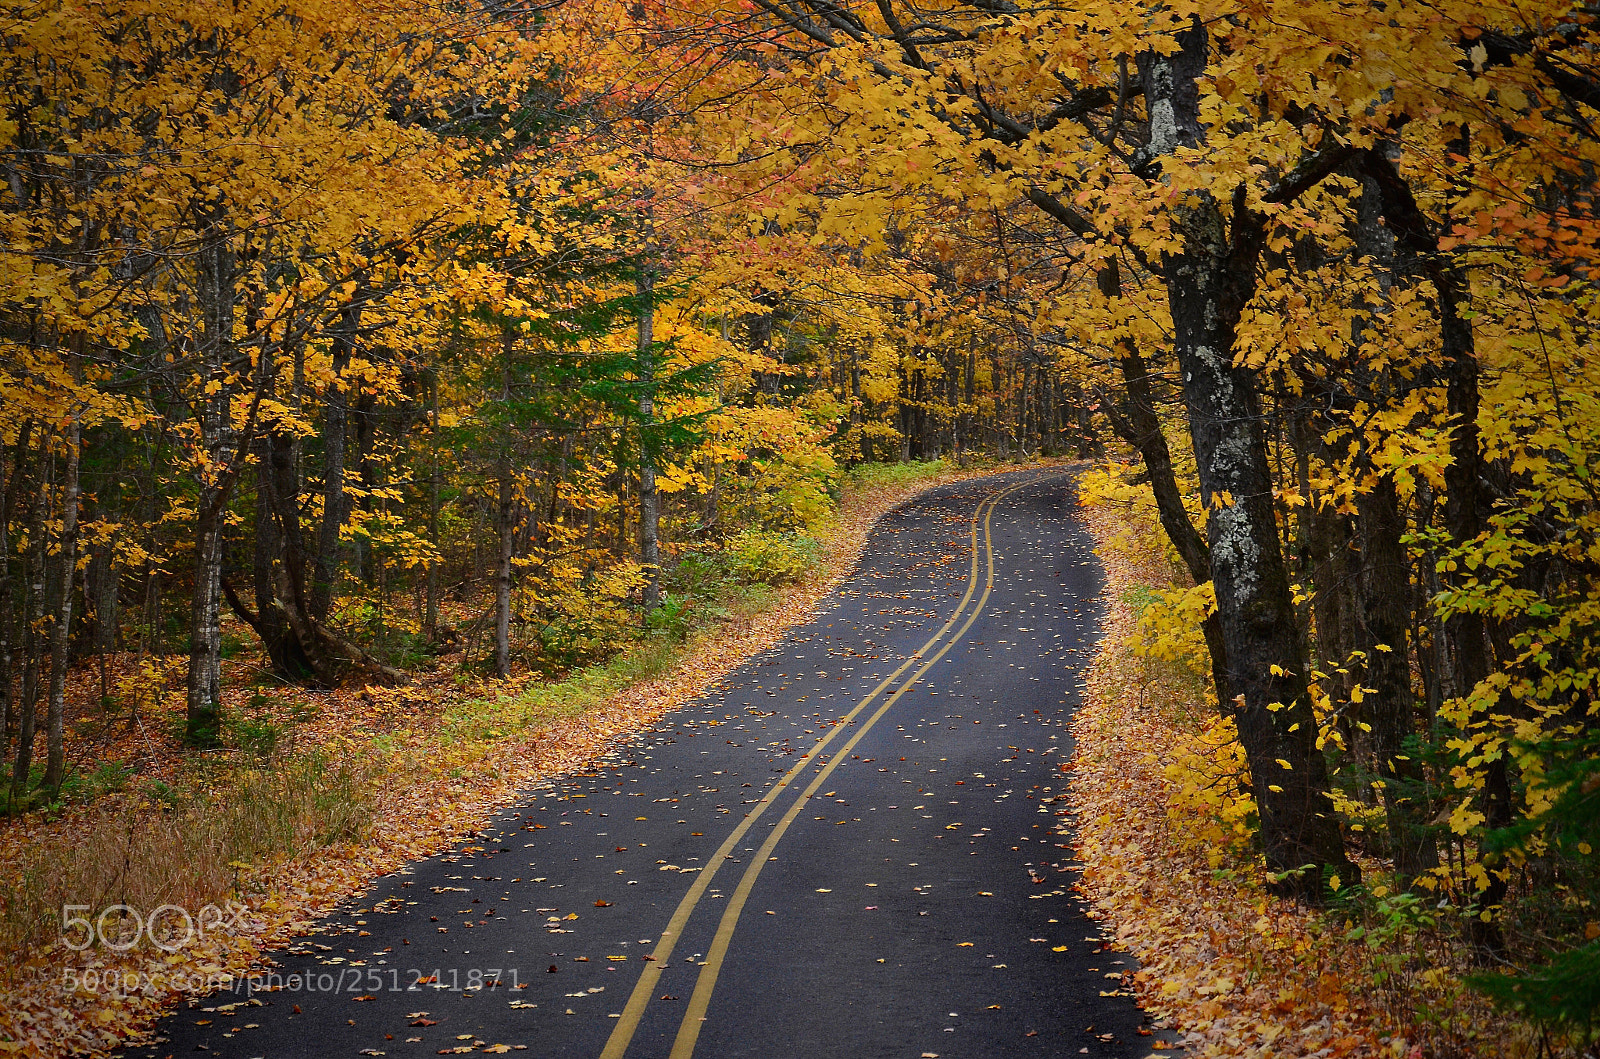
847,850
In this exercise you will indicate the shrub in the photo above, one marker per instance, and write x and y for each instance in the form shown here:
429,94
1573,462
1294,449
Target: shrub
762,557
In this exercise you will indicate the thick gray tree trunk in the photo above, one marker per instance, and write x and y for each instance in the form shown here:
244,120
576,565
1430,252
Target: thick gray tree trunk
1208,283
216,283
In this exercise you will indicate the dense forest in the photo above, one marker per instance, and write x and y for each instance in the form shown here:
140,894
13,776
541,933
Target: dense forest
371,329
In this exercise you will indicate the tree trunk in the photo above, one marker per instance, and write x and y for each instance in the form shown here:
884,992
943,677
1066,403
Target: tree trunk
1208,284
649,496
55,769
203,714
504,525
1384,588
367,470
33,620
1088,442
335,427
1325,561
969,373
430,615
203,717
1046,414
1464,505
9,493
1142,430
1022,405
855,402
102,598
270,624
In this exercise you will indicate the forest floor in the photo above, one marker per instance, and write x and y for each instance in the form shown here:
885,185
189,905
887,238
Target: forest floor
1244,973
227,856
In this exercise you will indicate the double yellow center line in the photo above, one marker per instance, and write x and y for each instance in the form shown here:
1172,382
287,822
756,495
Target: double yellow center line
693,1018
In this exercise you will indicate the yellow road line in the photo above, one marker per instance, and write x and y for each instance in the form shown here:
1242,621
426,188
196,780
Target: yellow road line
700,1001
633,1012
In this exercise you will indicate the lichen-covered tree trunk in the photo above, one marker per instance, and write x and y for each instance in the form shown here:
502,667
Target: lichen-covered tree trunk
203,713
1140,427
1208,283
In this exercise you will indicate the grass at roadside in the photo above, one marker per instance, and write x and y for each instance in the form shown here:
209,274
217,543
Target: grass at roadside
333,789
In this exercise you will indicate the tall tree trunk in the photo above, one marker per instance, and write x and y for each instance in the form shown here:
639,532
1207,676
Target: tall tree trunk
504,528
203,713
1209,281
367,470
1022,403
1088,443
430,615
1047,411
1142,429
33,619
55,769
1464,503
855,402
1385,590
102,598
969,375
279,557
9,494
335,428
504,522
649,496
204,691
1325,565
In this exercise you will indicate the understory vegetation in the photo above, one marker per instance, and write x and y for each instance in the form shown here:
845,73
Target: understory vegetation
1177,860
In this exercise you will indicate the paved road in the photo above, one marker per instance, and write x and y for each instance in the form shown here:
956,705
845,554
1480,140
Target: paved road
846,850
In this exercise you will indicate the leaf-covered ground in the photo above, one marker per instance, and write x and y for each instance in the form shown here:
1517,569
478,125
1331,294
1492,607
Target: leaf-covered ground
1242,973
436,772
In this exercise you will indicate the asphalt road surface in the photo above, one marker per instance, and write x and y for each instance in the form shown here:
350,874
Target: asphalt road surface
847,849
